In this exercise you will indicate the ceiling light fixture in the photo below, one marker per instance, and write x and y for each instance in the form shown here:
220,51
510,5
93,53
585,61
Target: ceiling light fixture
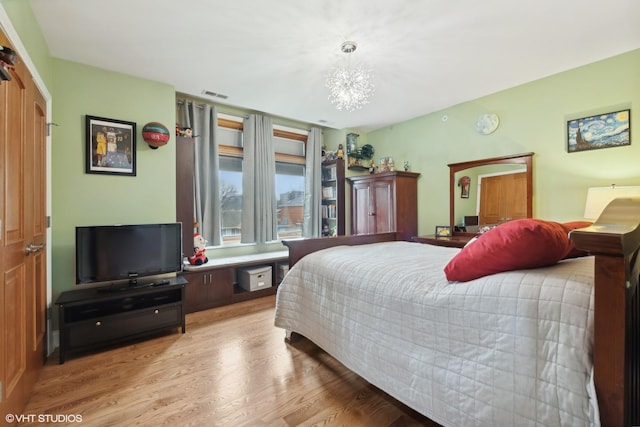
350,87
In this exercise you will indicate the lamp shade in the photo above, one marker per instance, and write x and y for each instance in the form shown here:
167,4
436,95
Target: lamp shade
599,197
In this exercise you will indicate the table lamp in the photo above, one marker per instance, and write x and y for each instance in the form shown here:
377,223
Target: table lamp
599,197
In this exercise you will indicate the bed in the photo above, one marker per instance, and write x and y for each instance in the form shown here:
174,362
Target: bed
553,345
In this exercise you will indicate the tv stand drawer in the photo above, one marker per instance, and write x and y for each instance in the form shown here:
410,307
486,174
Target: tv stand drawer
91,319
120,302
104,330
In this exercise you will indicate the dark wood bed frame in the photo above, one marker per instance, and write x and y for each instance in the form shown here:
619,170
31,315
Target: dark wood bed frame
614,240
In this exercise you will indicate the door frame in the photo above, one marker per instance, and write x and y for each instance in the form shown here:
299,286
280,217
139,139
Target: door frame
7,26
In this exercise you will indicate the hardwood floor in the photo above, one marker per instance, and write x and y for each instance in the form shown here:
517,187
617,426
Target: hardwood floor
231,368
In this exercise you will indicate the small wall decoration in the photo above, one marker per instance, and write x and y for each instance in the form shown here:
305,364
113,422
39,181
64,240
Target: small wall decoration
487,123
155,134
443,231
600,131
110,146
465,185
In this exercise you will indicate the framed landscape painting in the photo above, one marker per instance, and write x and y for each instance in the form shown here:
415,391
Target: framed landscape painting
599,131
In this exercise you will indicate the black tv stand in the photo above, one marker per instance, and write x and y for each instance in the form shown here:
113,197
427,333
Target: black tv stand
133,285
99,317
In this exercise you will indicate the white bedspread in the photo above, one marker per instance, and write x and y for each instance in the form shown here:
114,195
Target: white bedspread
511,349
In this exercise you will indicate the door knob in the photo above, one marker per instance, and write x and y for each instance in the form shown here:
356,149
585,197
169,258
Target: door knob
31,248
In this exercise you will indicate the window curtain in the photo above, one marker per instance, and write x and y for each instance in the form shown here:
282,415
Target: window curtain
312,217
259,220
203,120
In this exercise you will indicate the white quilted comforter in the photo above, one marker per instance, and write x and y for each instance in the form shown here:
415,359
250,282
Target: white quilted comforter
511,349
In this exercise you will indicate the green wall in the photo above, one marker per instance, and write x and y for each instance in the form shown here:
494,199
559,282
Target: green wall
532,119
87,199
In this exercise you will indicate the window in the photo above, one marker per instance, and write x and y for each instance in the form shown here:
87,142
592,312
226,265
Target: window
289,146
230,198
289,199
230,180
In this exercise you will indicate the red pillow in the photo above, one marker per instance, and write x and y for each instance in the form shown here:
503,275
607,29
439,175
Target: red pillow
513,245
569,226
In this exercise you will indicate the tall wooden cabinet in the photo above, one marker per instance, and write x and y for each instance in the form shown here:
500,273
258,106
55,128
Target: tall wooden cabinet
384,202
333,198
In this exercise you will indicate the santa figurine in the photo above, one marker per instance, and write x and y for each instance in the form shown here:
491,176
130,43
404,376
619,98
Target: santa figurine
199,256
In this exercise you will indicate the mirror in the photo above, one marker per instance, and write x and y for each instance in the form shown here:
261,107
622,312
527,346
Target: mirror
465,198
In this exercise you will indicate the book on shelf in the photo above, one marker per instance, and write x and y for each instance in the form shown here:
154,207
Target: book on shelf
331,211
329,174
327,193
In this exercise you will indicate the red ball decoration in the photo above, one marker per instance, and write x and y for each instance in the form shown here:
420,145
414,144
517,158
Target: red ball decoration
155,134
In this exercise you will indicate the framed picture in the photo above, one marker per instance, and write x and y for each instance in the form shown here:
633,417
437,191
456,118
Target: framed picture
110,146
600,131
443,231
465,185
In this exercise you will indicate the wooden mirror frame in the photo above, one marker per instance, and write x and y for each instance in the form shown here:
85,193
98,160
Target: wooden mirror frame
522,159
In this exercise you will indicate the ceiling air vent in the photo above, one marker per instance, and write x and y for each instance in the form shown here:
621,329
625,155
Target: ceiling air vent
215,95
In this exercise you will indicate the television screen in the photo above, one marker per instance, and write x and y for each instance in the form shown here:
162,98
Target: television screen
118,252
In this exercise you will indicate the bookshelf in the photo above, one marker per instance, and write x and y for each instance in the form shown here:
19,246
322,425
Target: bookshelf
333,223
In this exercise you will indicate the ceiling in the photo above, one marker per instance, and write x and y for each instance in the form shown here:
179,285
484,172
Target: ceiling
273,56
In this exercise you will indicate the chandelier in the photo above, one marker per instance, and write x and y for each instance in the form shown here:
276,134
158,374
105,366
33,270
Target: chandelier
349,87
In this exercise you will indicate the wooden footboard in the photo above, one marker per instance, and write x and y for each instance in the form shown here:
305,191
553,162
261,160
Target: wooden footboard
614,240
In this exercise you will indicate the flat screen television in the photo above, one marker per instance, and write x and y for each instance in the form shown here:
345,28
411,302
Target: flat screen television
114,253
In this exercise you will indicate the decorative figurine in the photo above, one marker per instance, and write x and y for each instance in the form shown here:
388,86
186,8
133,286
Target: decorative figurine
340,153
390,164
199,256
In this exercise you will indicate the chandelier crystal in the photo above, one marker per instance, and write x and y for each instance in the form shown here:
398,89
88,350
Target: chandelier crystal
350,87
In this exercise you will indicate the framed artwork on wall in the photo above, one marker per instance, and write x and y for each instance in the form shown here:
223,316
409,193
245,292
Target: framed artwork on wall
599,131
110,146
465,185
